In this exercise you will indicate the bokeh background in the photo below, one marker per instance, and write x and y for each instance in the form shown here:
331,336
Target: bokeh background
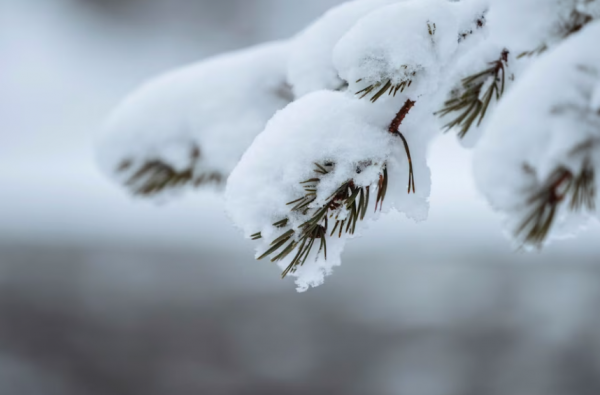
102,294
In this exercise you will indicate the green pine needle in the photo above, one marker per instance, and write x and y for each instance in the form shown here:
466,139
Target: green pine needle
538,51
354,199
156,176
560,187
472,105
381,88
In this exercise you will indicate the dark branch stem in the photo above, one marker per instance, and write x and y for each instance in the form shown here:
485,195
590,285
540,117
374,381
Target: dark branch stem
397,121
395,130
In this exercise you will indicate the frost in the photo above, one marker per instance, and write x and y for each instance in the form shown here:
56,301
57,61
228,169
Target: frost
191,126
544,137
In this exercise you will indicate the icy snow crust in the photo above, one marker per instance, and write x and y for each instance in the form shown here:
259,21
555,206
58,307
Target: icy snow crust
540,125
217,107
430,46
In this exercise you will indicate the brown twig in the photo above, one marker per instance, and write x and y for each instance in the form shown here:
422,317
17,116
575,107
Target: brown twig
395,129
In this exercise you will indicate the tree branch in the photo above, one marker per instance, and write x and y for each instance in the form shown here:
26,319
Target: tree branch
395,130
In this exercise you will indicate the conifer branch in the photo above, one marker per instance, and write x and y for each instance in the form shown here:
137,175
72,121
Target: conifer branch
479,23
575,22
431,29
584,190
478,91
561,186
395,129
156,176
538,51
389,86
348,199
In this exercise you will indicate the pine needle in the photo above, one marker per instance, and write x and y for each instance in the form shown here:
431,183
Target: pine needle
155,176
382,87
349,197
395,129
472,105
545,202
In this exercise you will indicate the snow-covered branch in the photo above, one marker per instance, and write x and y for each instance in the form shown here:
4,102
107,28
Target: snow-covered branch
190,127
318,135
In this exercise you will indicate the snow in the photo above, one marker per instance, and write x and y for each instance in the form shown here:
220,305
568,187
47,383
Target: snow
539,126
201,117
197,123
529,25
322,127
310,66
411,40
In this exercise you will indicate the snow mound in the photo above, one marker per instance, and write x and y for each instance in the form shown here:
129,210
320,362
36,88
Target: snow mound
543,139
310,66
409,41
531,26
329,139
191,126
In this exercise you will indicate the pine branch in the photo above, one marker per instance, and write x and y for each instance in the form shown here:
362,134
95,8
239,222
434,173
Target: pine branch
575,22
479,23
538,51
584,190
389,86
395,129
474,102
156,176
349,199
280,224
561,186
431,28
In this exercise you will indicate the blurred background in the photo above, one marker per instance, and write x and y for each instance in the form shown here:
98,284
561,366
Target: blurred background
102,294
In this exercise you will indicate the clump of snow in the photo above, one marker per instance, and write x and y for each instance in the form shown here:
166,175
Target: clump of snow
310,66
472,18
549,120
200,118
322,127
532,25
405,41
